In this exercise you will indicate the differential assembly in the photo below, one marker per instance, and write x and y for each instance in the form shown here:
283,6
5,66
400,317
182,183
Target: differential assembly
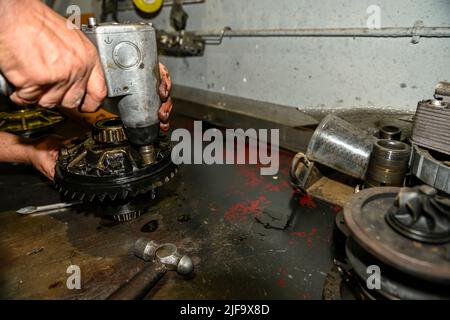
105,168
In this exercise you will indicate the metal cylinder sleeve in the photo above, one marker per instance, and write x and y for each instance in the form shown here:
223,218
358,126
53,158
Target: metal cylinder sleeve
390,132
388,163
339,145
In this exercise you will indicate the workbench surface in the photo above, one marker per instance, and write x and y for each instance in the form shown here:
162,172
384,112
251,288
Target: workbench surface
208,211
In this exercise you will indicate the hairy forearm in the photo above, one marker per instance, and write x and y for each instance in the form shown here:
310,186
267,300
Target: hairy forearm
13,148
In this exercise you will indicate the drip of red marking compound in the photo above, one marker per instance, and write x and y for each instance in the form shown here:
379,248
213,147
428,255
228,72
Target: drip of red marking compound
309,236
240,211
307,200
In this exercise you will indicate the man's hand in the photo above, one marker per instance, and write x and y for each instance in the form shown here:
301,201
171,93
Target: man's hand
43,154
48,63
164,94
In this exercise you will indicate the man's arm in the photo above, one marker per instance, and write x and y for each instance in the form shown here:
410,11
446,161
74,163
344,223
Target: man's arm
49,63
42,153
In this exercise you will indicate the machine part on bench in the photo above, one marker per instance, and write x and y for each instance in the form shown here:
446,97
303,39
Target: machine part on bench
442,91
122,210
145,249
394,283
303,172
29,120
109,131
425,166
421,214
390,132
166,253
365,215
388,163
431,127
180,44
339,145
48,207
112,170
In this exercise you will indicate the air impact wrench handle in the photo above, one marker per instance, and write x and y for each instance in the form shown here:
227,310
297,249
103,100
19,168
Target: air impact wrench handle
129,57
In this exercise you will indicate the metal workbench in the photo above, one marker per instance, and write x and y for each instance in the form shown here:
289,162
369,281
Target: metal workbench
208,211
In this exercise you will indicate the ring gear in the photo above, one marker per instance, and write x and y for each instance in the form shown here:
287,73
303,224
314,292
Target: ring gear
105,167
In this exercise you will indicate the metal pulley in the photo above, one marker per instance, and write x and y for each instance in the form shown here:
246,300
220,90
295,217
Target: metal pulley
148,6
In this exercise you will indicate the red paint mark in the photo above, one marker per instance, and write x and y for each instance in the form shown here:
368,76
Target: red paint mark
281,281
307,200
308,235
276,187
239,211
252,175
336,209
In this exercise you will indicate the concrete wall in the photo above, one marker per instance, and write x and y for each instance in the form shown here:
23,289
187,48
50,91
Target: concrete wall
315,73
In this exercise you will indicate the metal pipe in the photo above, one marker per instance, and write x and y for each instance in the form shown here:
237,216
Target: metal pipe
398,32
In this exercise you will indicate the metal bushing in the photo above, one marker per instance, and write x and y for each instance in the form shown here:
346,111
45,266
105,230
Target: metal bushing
390,132
388,163
109,131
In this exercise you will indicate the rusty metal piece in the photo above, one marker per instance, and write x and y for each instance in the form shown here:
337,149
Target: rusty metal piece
339,145
303,172
364,216
431,127
388,163
442,91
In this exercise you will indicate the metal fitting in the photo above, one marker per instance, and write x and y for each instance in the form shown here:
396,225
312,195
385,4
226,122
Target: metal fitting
388,163
390,132
166,253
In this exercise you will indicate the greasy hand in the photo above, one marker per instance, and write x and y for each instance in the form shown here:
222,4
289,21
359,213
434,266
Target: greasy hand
164,94
48,63
43,153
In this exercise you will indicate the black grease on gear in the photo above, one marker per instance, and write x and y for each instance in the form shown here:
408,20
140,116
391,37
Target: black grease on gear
106,168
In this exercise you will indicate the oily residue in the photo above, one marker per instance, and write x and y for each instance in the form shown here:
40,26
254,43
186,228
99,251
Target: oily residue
241,210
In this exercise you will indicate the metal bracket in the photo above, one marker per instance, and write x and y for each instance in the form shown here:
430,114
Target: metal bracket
415,37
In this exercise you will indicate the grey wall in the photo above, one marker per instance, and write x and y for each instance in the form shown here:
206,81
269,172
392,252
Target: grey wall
315,73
